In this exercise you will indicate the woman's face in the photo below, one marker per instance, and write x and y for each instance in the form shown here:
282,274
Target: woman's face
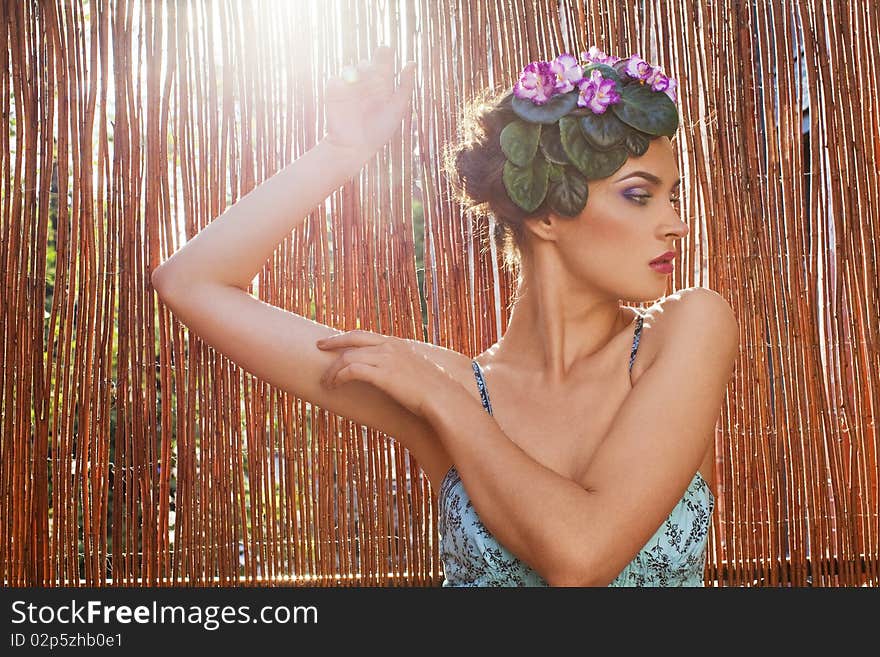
630,218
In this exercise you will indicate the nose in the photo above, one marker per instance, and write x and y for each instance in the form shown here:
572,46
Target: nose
679,227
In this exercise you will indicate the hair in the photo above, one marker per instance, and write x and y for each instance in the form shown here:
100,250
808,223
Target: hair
474,166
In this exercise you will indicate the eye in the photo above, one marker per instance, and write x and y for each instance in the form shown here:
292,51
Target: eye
641,199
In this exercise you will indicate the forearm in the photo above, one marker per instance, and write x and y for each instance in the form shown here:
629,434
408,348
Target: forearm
233,248
528,507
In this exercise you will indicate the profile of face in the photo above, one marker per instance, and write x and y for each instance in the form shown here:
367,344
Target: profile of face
630,218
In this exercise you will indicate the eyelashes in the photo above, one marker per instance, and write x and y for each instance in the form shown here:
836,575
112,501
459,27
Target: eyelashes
641,199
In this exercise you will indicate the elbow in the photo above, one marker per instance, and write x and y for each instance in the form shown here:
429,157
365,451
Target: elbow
156,277
170,283
162,281
157,280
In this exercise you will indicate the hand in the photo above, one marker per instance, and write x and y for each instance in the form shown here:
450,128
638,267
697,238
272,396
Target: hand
391,364
364,108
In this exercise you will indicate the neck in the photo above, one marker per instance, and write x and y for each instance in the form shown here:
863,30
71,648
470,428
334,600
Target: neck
556,323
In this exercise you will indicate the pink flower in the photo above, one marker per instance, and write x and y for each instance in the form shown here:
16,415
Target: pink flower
597,93
670,90
540,81
637,68
596,56
567,71
537,82
658,80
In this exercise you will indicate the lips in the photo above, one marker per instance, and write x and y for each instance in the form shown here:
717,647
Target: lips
665,257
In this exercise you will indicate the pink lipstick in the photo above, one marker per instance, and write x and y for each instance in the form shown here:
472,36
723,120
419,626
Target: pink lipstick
662,264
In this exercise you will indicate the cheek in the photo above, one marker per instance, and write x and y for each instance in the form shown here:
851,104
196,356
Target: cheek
606,248
612,229
610,235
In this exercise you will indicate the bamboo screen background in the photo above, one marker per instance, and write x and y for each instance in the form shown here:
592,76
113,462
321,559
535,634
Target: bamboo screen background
133,454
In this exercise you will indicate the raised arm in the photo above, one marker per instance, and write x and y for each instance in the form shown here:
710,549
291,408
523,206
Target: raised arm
204,283
584,532
231,250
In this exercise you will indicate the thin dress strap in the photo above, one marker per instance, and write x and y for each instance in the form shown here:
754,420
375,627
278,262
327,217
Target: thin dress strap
636,338
481,385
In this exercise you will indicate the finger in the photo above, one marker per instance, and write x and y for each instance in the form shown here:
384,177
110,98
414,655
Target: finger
368,73
365,355
358,372
354,338
376,88
343,360
356,79
336,89
407,77
383,60
403,94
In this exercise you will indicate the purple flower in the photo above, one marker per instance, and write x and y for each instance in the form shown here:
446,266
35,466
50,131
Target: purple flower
670,90
537,82
597,93
596,56
658,79
567,71
637,68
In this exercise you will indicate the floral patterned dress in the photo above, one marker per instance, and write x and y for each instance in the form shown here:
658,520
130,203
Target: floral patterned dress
674,556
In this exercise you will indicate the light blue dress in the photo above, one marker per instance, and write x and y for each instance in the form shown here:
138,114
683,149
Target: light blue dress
674,556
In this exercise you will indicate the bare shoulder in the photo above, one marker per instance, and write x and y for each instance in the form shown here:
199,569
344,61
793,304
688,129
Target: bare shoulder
696,300
698,326
703,311
668,318
675,317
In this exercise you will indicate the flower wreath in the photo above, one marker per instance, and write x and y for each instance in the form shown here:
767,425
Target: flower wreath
564,135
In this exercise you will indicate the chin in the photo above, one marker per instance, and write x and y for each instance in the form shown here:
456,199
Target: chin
648,294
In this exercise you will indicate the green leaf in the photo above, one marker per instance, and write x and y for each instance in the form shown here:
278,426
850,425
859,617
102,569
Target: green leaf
593,163
550,112
636,143
556,171
604,163
519,141
603,131
551,146
649,111
574,143
568,195
526,186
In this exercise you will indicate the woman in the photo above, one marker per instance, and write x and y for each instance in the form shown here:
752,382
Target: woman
587,466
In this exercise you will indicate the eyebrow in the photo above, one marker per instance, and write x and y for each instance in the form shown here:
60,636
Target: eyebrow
647,176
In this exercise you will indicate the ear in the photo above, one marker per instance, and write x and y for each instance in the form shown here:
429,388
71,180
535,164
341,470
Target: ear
543,227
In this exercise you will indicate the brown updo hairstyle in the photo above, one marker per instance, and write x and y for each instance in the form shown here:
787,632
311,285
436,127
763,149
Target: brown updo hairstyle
474,166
